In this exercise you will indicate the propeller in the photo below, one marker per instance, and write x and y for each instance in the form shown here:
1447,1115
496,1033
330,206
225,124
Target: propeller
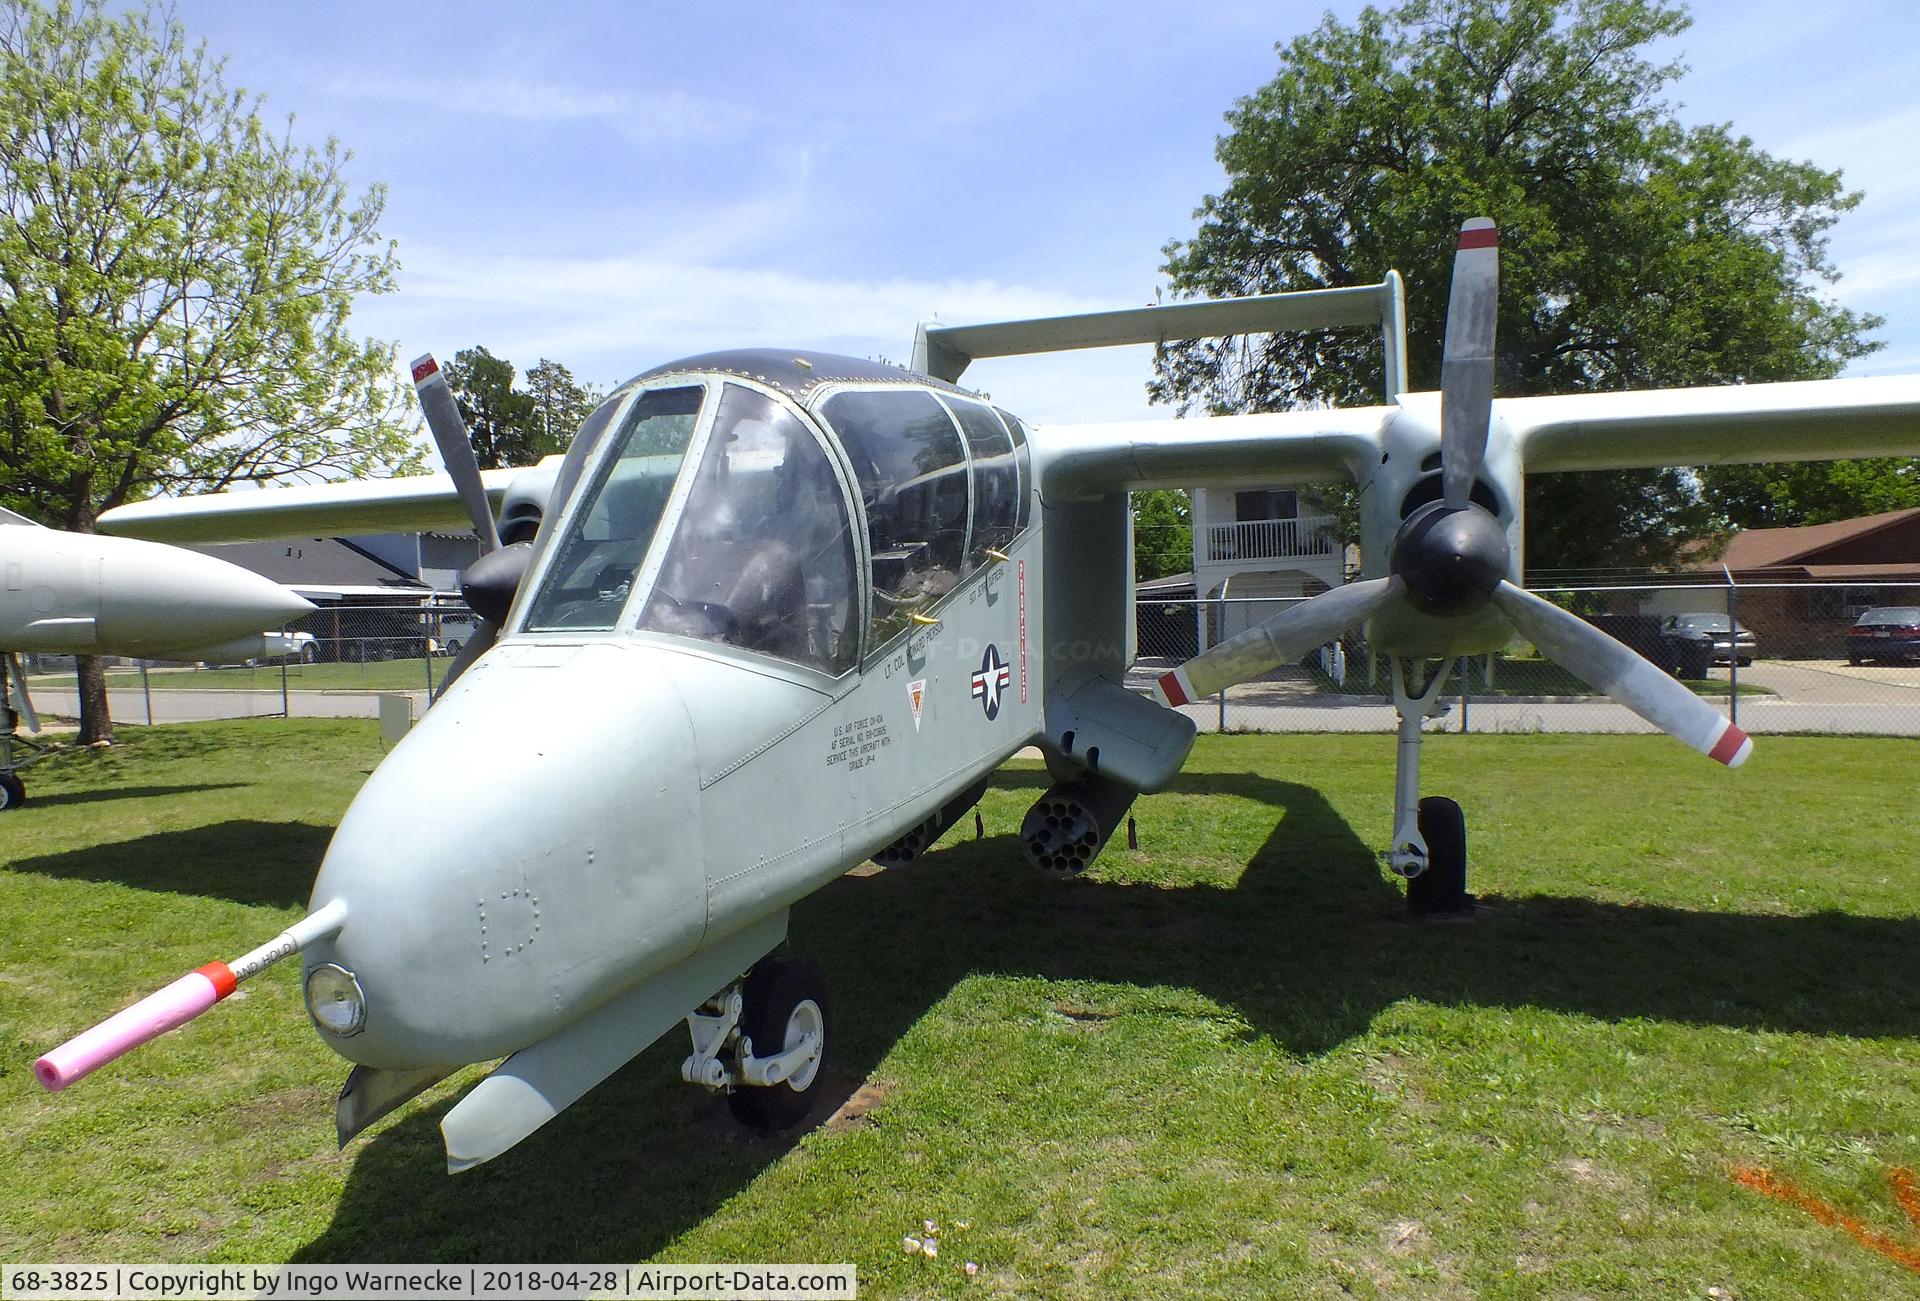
1625,675
1466,367
1450,557
1280,640
456,448
490,582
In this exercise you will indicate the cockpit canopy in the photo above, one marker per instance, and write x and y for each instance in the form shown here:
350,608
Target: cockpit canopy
798,507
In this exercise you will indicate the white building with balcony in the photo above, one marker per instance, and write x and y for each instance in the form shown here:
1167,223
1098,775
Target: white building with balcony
1251,544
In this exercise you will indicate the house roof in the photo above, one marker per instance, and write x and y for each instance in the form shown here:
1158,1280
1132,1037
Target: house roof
1170,581
1766,548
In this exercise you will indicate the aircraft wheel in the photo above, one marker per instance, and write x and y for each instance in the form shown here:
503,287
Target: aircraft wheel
1441,890
785,1000
13,791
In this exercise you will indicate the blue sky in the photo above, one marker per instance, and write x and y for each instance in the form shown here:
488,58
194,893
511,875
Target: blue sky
615,185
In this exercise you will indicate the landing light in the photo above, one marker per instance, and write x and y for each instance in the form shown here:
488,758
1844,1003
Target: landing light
334,1000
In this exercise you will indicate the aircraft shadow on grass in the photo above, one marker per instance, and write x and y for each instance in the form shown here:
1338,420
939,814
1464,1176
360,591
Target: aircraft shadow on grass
1309,946
247,861
126,793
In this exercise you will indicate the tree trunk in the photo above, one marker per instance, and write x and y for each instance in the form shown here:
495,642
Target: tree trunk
96,723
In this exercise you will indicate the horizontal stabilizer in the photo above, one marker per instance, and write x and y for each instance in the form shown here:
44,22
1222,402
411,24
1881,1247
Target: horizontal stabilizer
945,351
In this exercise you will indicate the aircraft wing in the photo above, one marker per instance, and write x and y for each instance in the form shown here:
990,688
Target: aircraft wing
420,503
1819,420
1334,445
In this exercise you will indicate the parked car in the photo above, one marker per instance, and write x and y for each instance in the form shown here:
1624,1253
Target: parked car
455,631
1700,639
1891,632
361,636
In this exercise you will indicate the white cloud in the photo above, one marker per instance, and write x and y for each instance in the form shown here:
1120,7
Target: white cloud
647,117
608,318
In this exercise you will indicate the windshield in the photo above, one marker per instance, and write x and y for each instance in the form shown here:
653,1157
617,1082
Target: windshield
607,536
762,557
1893,615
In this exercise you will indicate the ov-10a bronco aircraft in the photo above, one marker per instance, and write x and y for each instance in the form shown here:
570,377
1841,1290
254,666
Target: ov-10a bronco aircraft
783,612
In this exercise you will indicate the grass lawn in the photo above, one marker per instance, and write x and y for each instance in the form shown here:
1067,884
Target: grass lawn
1221,1064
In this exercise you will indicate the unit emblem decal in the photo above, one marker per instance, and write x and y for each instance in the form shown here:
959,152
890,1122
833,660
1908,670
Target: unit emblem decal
916,697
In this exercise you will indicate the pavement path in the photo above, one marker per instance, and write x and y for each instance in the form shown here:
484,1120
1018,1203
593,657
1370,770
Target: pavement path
205,706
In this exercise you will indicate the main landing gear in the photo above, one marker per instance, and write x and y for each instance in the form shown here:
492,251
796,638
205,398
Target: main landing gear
16,751
1429,835
778,1009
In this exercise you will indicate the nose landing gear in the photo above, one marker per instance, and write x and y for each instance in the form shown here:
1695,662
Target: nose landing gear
1429,835
780,1010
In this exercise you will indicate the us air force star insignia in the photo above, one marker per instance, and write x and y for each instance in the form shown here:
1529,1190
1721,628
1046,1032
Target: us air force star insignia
994,676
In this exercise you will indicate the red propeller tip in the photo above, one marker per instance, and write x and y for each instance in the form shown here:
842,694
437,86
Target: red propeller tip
1732,748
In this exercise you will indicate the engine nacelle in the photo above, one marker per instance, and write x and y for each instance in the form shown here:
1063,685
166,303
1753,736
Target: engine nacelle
1073,821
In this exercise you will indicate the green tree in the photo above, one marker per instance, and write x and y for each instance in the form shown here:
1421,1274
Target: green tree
560,403
174,282
1809,492
1636,252
1162,533
501,420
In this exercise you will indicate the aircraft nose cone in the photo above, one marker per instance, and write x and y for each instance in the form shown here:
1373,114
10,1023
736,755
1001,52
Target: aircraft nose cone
530,849
158,597
1451,559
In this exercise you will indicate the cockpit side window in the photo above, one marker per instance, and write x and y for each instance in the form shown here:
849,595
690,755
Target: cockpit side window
1018,433
912,470
763,556
607,536
996,479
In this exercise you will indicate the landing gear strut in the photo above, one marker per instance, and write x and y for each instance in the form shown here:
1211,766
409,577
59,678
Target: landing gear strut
780,1010
1429,835
16,751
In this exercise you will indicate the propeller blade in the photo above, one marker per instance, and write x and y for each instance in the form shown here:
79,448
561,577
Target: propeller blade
484,635
17,688
1466,368
1623,674
1280,640
456,448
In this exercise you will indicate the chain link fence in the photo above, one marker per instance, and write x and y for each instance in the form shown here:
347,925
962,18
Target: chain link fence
1823,658
342,660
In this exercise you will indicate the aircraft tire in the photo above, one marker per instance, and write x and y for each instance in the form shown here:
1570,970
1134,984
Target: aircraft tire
1441,890
13,791
784,998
